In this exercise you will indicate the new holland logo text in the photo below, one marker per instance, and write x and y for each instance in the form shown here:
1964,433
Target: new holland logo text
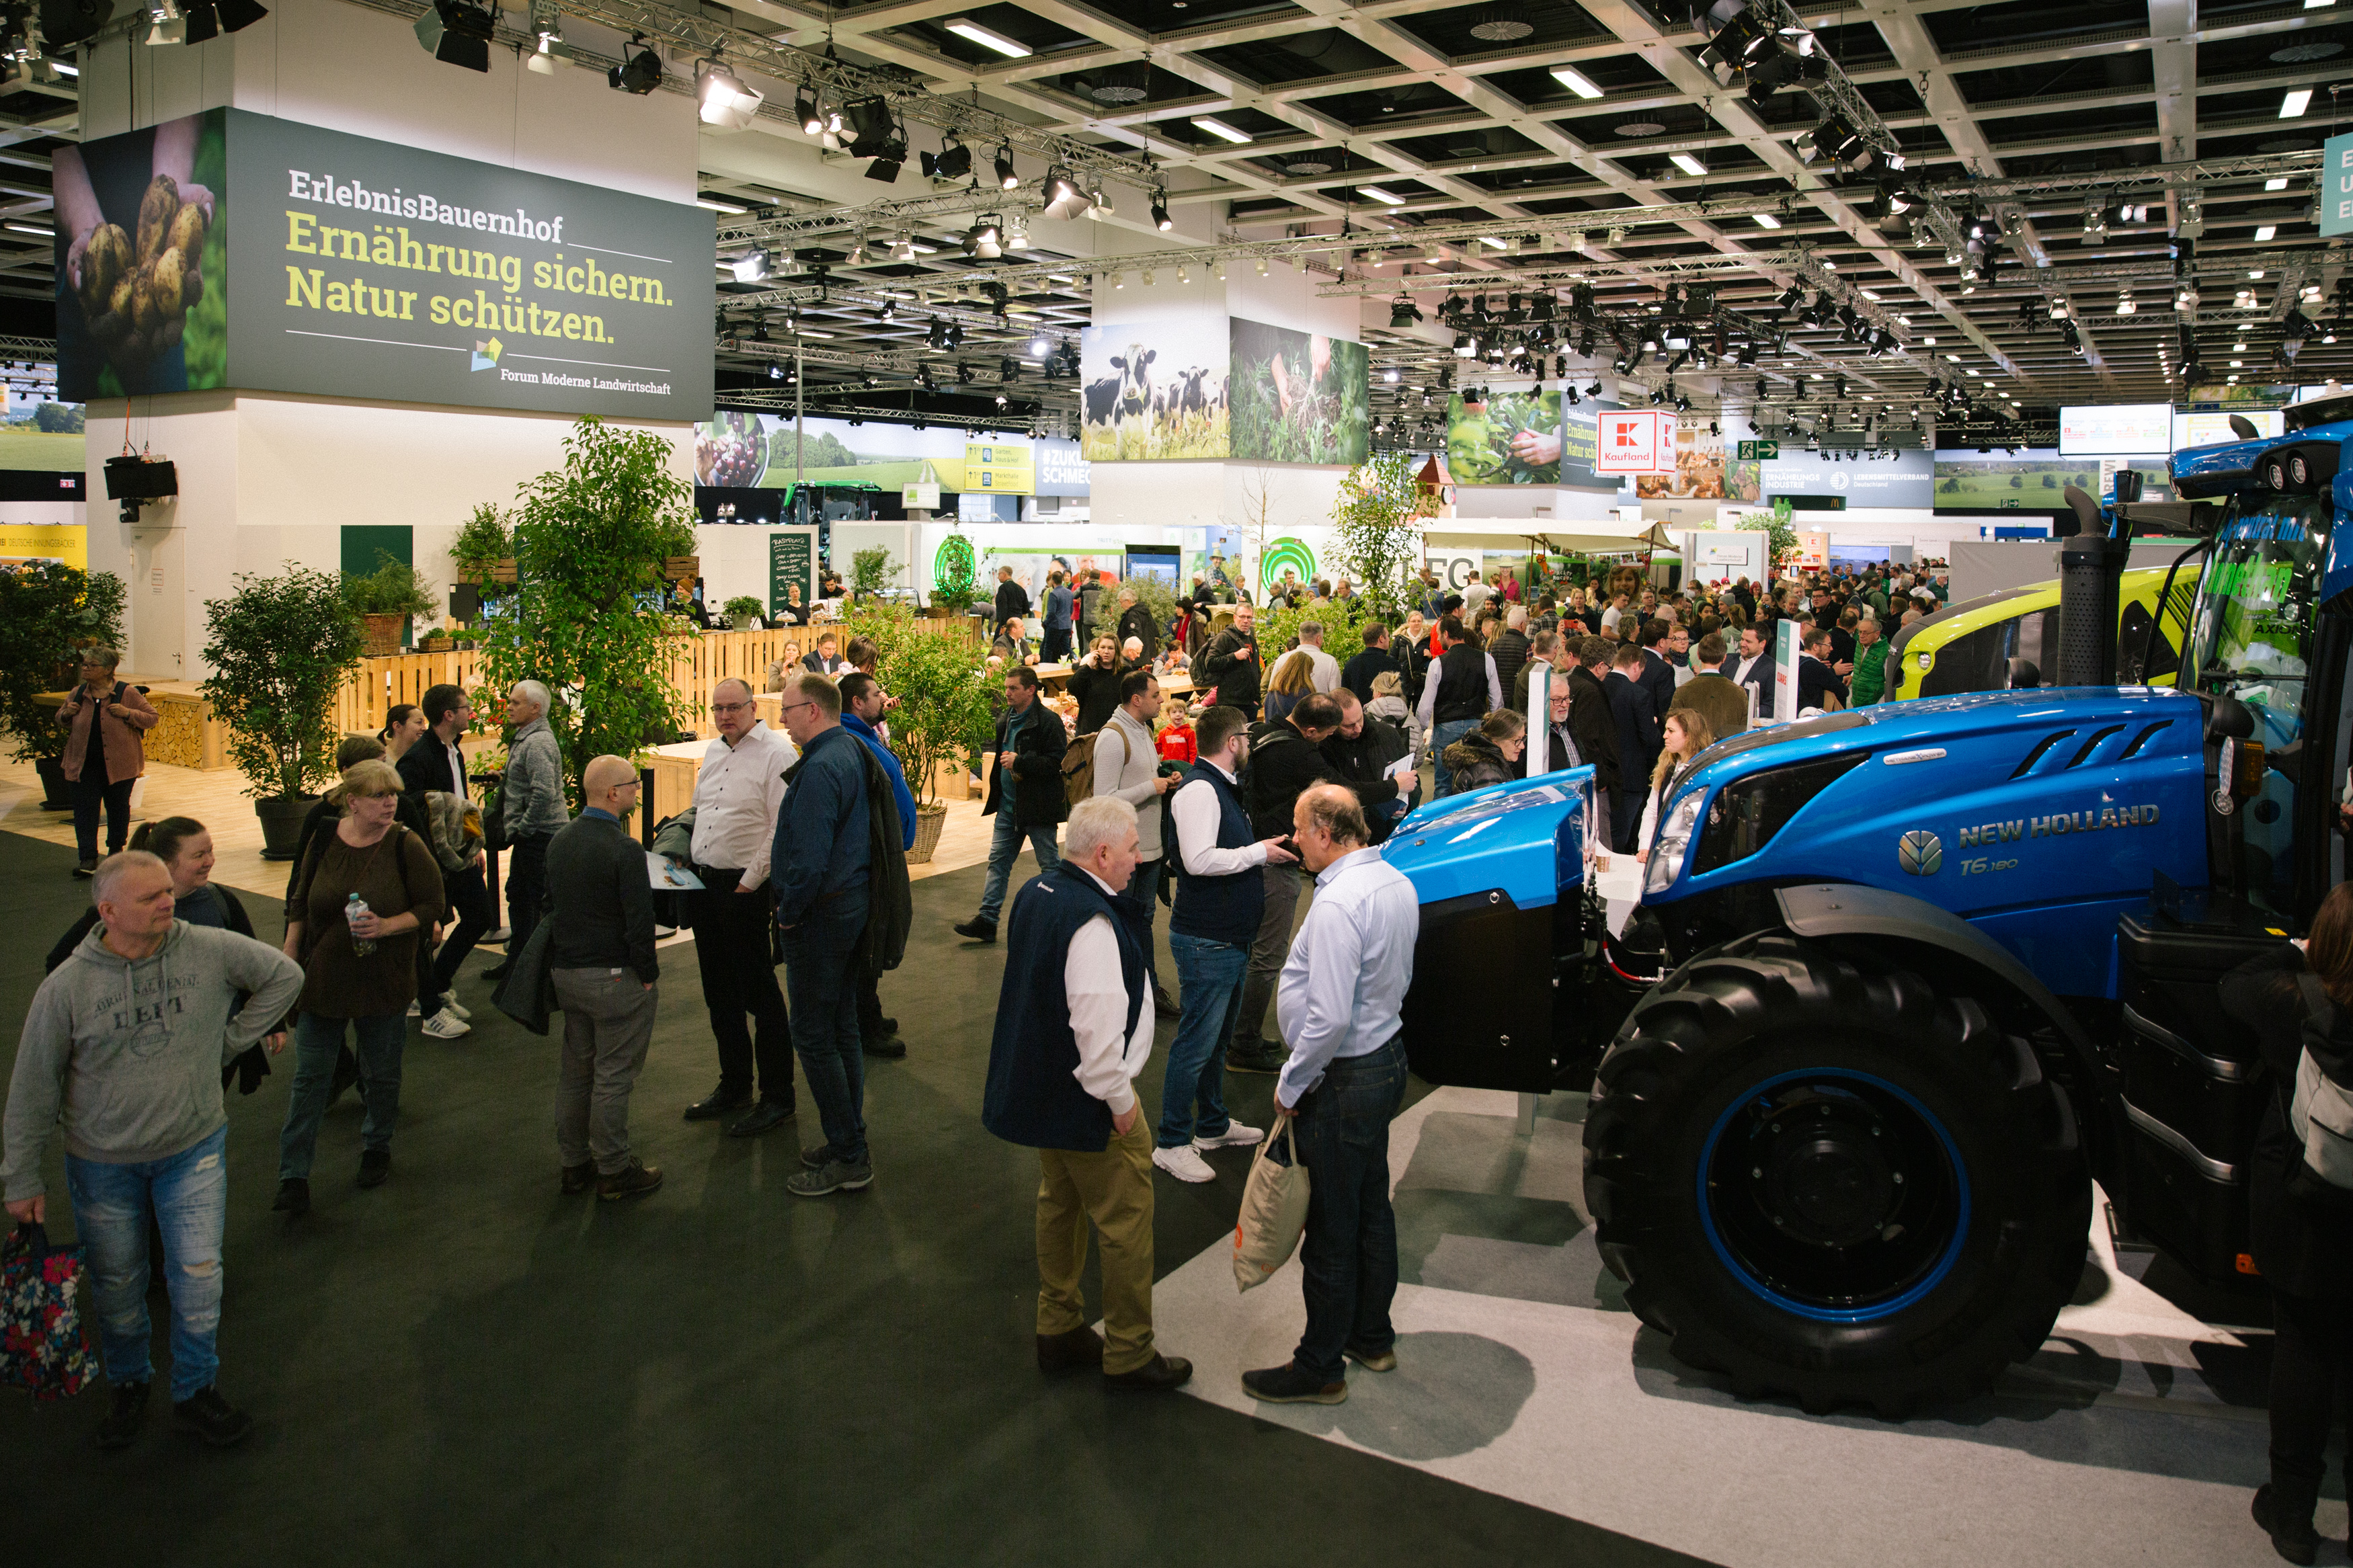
2060,821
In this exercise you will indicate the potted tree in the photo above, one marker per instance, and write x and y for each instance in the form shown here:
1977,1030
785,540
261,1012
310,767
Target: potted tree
871,571
484,551
281,650
942,703
383,599
48,611
742,610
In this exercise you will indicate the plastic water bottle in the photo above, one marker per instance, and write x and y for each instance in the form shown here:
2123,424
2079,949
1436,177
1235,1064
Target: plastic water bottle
354,908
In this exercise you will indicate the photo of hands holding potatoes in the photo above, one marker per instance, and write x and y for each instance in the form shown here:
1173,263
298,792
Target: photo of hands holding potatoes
141,305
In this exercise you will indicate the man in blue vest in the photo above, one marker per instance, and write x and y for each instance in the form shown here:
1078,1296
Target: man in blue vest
1073,1028
1220,898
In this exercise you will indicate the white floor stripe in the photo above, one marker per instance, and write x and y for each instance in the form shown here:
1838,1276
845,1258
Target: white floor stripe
1536,1385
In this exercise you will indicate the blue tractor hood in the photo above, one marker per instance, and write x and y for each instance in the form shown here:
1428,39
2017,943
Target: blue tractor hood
1528,838
2037,816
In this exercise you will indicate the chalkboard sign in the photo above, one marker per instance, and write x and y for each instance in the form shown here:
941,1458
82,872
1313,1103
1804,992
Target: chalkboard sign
791,563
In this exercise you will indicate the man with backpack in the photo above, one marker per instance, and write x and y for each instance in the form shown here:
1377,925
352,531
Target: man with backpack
1025,793
1128,767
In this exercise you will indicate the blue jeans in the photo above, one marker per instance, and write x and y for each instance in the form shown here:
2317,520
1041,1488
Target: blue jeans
1210,973
1440,737
1003,845
318,1040
1349,1252
188,1194
823,995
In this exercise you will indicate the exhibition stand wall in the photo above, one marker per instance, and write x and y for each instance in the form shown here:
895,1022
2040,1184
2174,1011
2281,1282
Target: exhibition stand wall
267,475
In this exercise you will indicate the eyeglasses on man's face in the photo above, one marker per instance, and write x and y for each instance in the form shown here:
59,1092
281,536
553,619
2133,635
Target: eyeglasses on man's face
729,706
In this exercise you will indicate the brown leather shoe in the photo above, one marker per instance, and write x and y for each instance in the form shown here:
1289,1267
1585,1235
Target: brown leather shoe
578,1179
635,1182
1158,1375
1060,1353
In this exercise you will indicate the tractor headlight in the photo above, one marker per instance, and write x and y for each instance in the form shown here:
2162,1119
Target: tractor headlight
1666,862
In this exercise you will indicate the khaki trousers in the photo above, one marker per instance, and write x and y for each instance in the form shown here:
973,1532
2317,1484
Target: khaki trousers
1113,1189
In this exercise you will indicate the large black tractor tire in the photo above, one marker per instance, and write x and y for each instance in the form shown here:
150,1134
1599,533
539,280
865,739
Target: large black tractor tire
1833,1181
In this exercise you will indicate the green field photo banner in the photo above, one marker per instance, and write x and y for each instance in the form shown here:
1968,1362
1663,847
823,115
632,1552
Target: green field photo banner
371,271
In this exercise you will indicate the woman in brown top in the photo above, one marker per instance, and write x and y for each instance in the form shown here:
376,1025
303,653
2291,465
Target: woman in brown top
394,873
105,751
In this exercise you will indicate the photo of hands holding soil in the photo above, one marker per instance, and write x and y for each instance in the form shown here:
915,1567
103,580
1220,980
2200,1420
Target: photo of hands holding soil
1298,398
140,307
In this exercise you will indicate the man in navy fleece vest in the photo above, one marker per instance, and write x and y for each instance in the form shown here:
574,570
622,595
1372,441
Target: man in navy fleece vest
1073,1028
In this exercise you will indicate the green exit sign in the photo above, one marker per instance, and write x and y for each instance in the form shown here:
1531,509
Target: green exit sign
1759,451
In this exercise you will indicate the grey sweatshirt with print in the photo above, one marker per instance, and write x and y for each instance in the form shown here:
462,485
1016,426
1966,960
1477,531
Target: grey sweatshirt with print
128,1052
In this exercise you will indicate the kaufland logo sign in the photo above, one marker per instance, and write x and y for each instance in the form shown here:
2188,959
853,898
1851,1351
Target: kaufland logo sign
1633,443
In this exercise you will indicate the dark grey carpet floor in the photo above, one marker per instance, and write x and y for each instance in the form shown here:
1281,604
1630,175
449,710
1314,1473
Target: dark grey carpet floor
463,1367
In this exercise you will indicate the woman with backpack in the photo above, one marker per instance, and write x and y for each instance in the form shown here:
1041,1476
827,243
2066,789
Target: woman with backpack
2299,1006
363,895
105,751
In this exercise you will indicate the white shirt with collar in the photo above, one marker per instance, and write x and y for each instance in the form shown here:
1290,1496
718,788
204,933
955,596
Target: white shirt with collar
1113,1048
736,798
1323,669
1194,807
1342,993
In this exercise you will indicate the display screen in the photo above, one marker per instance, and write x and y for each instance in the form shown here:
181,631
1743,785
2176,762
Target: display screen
43,434
2212,428
2117,430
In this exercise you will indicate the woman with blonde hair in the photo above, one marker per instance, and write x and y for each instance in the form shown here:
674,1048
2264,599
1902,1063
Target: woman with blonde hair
362,896
1293,682
1685,735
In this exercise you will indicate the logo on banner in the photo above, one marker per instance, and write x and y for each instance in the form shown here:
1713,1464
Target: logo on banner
486,355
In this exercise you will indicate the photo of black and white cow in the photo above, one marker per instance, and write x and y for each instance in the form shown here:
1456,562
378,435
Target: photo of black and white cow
1143,398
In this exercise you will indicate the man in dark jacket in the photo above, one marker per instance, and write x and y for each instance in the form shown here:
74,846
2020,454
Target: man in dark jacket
1359,673
1232,665
600,952
1818,682
1591,724
1025,793
1658,676
822,869
1284,759
1543,649
1060,607
1136,621
1012,599
1637,742
1365,753
1073,1028
863,702
1509,647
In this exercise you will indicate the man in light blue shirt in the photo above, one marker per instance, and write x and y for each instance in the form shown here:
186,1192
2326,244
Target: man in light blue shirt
1339,1000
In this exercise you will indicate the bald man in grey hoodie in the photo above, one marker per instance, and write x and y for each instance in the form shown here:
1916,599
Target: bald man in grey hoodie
123,1046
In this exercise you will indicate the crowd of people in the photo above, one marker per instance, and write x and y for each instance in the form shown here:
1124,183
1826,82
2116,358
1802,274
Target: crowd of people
1287,764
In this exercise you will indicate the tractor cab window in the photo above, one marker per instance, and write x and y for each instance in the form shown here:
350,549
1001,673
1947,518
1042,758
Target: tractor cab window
2252,640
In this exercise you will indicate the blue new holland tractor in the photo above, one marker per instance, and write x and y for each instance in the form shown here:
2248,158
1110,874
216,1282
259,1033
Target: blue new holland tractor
1918,974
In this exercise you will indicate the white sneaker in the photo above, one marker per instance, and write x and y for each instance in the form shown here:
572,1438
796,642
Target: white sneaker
662,932
1184,1164
447,1026
451,1005
415,1011
1236,1136
502,935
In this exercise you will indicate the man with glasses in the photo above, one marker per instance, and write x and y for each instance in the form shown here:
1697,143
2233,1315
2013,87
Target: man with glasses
736,798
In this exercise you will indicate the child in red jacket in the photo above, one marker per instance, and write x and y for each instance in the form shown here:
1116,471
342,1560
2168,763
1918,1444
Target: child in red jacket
1175,741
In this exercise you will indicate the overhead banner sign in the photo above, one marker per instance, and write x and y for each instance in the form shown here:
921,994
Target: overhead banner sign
1906,477
2117,430
372,271
2337,185
1634,441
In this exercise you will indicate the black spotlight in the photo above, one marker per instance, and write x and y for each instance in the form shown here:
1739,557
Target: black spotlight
64,22
1404,313
640,69
806,109
953,162
458,34
1160,219
1006,178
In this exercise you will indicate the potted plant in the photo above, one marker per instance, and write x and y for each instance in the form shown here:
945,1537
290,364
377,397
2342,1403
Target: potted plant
742,610
484,551
942,703
383,599
281,650
48,611
871,571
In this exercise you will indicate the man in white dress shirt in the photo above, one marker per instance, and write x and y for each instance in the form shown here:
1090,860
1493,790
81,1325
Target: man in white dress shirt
1073,1028
1323,671
1340,1001
736,798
